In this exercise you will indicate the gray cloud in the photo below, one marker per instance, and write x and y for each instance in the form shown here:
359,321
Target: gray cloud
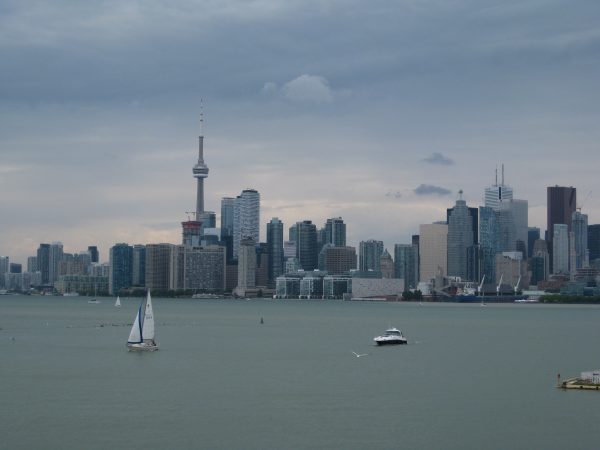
429,189
439,159
303,89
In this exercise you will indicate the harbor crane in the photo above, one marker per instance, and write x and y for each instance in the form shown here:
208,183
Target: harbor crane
481,286
517,285
499,284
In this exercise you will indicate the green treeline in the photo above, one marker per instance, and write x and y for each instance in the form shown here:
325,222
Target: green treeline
581,299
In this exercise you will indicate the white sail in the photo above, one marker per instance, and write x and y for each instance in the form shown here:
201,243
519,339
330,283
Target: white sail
148,325
136,330
118,302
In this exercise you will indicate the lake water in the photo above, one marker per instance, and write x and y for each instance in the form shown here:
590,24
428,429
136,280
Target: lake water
471,377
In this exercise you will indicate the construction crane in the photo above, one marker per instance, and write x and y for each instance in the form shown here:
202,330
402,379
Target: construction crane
499,284
191,212
517,285
585,199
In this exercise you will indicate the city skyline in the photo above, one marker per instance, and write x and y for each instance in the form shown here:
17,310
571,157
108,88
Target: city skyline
322,128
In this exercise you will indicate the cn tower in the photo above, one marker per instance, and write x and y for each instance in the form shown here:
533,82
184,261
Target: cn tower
200,173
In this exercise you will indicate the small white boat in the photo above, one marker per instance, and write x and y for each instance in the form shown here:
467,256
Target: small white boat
118,302
392,336
94,300
141,337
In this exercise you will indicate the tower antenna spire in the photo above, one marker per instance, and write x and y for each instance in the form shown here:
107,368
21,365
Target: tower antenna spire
201,118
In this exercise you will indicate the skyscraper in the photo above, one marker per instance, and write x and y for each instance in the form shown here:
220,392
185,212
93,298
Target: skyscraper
43,261
433,250
533,234
339,260
95,256
561,204
488,242
227,205
387,265
335,232
579,227
246,266
560,250
275,249
404,264
306,244
55,257
246,218
158,266
594,241
120,261
138,270
460,238
497,193
370,255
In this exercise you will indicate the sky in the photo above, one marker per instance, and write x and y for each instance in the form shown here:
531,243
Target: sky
378,112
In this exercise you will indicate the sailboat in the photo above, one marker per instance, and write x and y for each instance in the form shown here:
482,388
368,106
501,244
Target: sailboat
118,302
141,337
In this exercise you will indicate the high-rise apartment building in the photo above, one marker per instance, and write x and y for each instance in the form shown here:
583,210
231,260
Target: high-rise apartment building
120,263
158,270
339,260
560,248
32,265
561,204
204,268
460,238
246,266
246,218
387,265
433,250
488,242
370,255
275,250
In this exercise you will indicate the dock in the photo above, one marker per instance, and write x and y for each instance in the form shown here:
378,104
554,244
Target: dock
578,383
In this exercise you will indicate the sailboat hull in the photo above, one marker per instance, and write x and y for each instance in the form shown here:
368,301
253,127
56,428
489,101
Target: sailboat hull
142,347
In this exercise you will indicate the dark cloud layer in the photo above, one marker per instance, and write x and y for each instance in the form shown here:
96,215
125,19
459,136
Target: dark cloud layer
321,104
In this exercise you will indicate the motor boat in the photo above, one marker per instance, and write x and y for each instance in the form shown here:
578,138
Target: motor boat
392,336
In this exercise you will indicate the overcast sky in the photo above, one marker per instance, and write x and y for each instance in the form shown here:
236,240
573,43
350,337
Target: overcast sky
376,111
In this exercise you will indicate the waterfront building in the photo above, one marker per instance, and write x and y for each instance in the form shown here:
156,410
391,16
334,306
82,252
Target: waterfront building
288,286
335,232
311,285
246,218
404,264
370,255
305,233
120,263
336,286
560,249
579,227
94,254
43,261
497,193
275,249
246,267
460,238
433,249
386,263
365,288
292,265
81,284
204,268
158,270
